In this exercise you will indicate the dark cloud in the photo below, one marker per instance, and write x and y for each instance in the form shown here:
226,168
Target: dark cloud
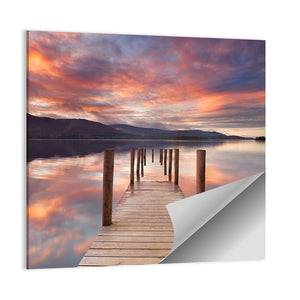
102,77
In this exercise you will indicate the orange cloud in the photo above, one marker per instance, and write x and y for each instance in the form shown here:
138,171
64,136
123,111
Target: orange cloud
107,78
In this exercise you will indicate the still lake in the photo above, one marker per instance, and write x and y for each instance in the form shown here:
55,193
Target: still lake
64,186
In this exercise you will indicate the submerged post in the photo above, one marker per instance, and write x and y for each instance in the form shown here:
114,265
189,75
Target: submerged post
165,162
152,155
145,157
160,156
108,172
132,153
200,171
138,161
170,164
176,159
142,162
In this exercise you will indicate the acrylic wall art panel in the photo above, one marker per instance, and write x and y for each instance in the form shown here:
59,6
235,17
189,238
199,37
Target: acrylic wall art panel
114,128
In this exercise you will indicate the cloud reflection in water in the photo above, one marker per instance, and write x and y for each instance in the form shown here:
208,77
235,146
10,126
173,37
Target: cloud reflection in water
65,193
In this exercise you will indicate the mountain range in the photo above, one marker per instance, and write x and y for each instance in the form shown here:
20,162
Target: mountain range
43,127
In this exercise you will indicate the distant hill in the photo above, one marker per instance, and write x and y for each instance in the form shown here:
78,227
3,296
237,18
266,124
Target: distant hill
146,132
153,133
42,127
260,138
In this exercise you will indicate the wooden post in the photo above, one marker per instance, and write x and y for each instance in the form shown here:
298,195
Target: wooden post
200,171
165,162
132,153
142,162
142,157
138,161
145,157
108,172
170,164
176,159
160,156
152,155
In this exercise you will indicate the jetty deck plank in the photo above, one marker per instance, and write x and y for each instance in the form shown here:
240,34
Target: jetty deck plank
141,231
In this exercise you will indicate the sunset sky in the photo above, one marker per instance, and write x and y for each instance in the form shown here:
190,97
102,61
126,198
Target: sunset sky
149,81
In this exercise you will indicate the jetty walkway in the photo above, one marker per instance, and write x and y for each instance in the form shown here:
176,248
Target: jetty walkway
139,229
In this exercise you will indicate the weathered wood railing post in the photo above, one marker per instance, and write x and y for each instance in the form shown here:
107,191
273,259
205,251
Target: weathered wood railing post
145,157
132,154
152,155
160,156
176,160
165,161
170,164
200,171
138,161
108,172
142,162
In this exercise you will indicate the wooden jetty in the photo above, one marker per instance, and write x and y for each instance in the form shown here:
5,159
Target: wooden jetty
140,230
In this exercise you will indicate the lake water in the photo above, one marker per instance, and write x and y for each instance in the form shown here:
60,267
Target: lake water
64,186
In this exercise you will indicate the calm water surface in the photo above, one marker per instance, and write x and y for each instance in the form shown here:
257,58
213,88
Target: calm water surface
64,200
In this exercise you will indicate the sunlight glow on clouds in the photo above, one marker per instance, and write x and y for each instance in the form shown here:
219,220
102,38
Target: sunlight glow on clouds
163,82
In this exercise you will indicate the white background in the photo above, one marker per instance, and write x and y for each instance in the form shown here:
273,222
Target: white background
276,21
